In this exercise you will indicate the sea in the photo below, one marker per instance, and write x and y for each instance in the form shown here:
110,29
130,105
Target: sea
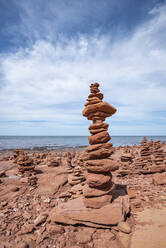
57,142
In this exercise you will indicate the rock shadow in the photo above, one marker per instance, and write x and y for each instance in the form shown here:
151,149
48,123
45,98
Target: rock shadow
38,172
119,190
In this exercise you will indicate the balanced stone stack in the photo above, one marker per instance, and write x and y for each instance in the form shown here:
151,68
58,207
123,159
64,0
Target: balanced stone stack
144,141
66,161
76,177
95,207
25,164
151,159
53,161
126,157
99,185
158,153
146,153
143,161
17,154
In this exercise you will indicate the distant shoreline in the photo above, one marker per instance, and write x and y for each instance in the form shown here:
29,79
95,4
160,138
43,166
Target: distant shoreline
48,143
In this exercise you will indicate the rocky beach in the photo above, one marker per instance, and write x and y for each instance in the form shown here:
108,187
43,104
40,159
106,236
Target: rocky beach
28,197
100,196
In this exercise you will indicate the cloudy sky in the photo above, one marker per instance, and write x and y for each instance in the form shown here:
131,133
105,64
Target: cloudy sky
50,51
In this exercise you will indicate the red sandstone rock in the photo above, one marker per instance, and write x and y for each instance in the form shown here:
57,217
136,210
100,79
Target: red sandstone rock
96,180
98,115
99,95
2,174
124,227
85,236
40,219
159,179
99,154
98,138
94,131
92,102
90,192
98,146
75,212
102,107
97,202
98,125
98,164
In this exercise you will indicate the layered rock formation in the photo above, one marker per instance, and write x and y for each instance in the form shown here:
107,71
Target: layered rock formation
97,191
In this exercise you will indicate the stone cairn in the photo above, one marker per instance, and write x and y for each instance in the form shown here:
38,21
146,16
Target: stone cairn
74,168
145,159
99,185
76,176
53,160
158,153
25,164
151,158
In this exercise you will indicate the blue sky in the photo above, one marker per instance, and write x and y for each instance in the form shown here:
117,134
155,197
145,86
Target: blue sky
50,51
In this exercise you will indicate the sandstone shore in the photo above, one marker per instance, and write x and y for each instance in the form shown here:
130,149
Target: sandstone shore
28,198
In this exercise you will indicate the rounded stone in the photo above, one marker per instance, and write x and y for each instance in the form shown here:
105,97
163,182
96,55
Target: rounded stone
92,192
96,180
97,202
98,138
98,125
107,163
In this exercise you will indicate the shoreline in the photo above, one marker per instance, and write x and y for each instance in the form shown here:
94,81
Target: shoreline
45,143
43,149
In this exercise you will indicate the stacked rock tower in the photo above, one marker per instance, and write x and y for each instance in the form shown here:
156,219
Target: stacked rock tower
99,185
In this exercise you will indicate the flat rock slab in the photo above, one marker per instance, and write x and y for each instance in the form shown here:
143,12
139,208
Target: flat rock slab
51,180
74,212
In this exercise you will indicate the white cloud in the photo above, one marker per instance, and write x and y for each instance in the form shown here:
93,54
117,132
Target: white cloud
50,81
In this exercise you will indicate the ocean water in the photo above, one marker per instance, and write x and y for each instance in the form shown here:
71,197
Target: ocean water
56,142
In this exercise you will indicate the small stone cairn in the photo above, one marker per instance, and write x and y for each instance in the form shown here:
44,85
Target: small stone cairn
25,164
159,157
151,158
53,160
75,171
145,157
98,165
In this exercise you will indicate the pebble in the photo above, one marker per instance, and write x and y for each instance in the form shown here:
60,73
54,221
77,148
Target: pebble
124,227
40,219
